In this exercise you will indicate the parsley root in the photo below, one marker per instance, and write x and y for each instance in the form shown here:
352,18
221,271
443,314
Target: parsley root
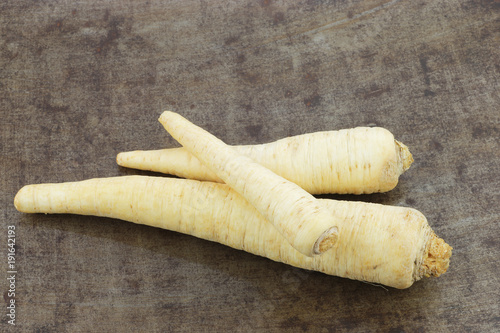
360,160
390,245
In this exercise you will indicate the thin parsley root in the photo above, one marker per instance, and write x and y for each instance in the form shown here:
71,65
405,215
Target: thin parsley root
299,217
393,246
360,160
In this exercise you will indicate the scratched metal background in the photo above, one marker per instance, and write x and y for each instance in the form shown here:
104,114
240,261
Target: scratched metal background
83,80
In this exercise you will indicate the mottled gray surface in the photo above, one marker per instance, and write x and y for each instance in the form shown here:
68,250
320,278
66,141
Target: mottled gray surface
82,81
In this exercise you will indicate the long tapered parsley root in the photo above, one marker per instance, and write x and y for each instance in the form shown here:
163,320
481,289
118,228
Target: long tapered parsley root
299,217
360,160
389,245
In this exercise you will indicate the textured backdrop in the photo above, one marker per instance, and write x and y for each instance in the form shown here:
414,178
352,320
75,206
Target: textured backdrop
83,80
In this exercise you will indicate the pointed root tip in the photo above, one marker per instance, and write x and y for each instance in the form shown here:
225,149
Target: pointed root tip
16,201
164,116
20,198
119,159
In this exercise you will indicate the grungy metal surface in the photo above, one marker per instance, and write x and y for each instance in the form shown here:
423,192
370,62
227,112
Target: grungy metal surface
82,81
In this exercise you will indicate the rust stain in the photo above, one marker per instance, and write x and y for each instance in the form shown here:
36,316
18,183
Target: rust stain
56,26
112,35
265,3
309,77
312,101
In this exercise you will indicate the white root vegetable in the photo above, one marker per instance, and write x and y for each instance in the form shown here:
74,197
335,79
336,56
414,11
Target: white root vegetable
393,246
360,160
299,217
